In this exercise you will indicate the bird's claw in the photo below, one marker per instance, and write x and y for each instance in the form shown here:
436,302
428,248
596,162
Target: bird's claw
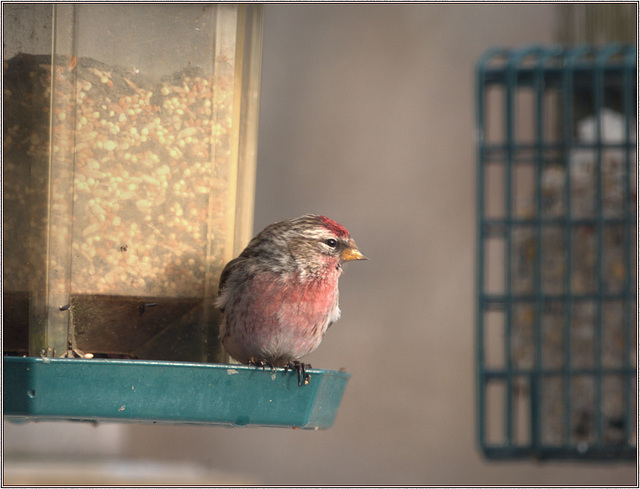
303,377
261,363
301,369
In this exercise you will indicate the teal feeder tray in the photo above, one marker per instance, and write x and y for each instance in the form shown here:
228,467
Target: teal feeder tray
100,390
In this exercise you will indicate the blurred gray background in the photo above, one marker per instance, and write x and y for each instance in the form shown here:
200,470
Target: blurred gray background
367,116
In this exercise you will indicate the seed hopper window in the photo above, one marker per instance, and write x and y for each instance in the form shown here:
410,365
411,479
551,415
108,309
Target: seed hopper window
556,252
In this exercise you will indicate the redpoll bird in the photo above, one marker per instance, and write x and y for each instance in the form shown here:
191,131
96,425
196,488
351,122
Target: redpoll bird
281,294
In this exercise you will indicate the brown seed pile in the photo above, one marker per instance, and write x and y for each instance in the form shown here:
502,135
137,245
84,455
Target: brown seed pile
140,175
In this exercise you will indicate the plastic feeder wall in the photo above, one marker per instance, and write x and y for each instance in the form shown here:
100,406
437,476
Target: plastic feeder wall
129,176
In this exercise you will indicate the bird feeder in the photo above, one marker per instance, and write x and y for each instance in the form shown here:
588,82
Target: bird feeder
130,138
556,244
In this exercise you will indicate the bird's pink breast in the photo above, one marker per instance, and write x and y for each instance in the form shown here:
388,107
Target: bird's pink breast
281,317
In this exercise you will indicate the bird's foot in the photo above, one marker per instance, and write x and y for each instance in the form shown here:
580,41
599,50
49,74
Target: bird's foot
299,367
261,363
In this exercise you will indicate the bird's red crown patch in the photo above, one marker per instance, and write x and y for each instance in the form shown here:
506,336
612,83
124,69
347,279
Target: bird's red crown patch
333,226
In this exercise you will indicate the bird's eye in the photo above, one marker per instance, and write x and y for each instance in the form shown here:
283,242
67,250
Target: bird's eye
331,243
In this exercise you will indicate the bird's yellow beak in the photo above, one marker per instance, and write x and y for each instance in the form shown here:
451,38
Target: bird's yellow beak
352,252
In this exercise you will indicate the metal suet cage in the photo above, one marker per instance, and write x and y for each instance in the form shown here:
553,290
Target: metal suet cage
556,252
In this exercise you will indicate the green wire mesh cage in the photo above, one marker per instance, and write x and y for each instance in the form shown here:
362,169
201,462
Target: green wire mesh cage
556,252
